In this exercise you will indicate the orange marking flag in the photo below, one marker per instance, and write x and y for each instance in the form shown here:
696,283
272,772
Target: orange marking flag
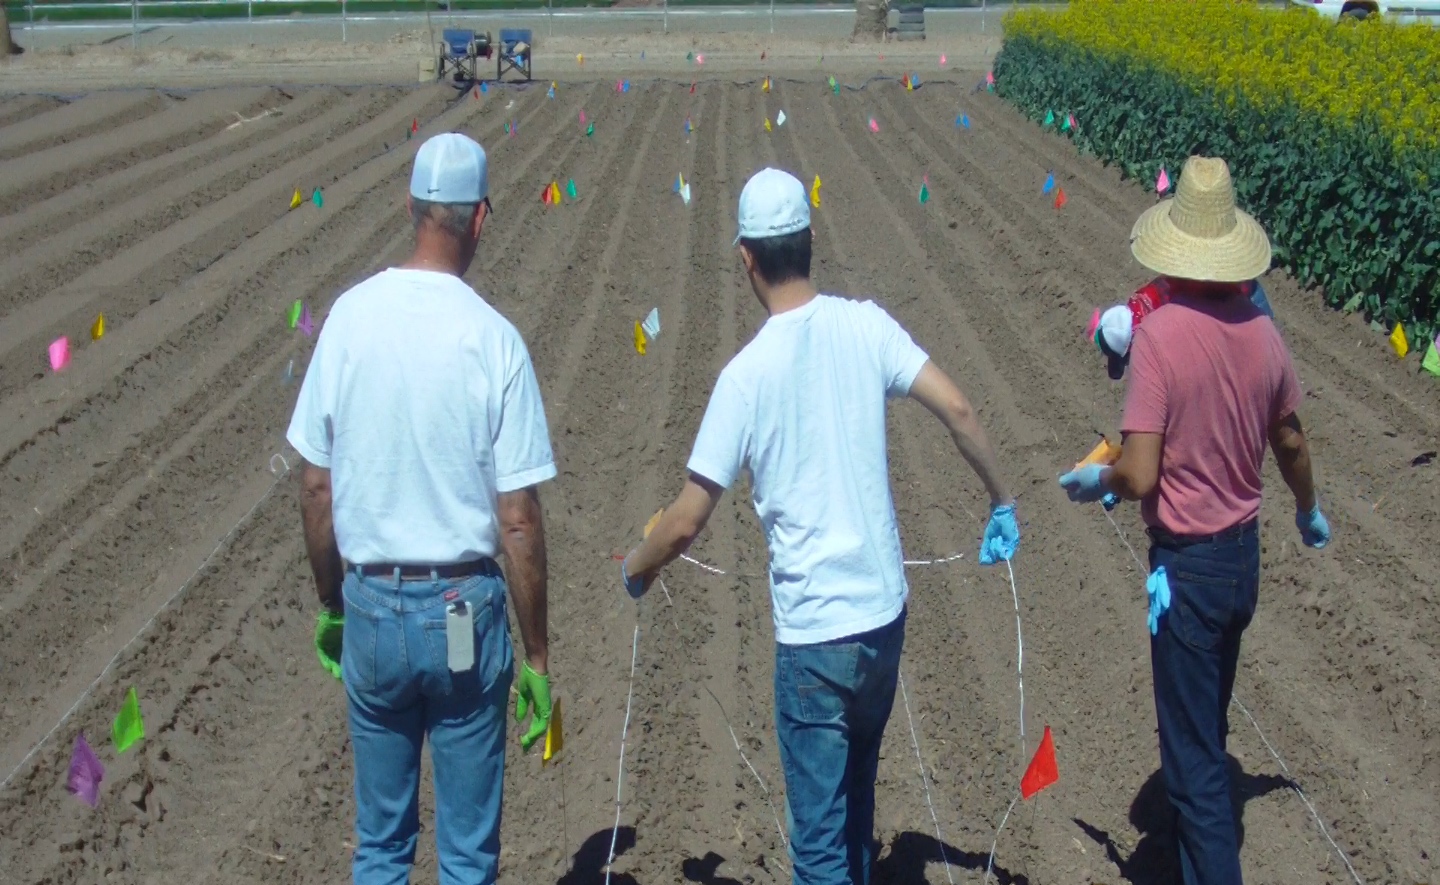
1043,770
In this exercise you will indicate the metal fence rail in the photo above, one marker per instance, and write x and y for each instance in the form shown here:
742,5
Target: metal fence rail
112,15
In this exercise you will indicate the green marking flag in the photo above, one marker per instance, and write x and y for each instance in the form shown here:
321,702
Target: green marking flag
570,190
1049,118
1065,124
924,194
590,130
295,310
317,199
1432,359
129,727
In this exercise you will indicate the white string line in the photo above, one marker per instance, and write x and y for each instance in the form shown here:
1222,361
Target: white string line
719,571
1020,678
990,864
1294,784
941,561
624,731
924,778
1019,657
138,633
784,839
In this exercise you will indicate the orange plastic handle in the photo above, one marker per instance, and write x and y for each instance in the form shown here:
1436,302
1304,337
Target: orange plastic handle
1105,452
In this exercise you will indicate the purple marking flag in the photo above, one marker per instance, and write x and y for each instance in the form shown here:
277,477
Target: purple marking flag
306,324
86,772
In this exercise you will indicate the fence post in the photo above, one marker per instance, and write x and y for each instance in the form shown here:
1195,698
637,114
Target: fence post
344,24
772,16
550,6
666,15
31,5
134,25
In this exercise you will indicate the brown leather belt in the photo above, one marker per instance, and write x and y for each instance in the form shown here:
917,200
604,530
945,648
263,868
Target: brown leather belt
412,572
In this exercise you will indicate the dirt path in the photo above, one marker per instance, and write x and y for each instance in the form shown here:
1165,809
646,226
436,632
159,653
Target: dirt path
143,470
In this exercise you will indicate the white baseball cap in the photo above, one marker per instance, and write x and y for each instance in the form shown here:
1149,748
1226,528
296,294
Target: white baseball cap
1117,325
450,168
772,204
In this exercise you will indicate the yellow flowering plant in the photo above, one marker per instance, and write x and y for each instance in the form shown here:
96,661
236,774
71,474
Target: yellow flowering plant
1332,131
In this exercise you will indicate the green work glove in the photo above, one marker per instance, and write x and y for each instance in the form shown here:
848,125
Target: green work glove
532,695
329,633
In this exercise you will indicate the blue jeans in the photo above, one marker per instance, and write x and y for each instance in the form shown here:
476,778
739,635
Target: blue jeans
397,676
832,701
1214,586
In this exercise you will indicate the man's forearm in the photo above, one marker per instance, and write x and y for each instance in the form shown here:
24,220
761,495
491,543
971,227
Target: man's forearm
975,448
1295,468
665,544
322,549
527,573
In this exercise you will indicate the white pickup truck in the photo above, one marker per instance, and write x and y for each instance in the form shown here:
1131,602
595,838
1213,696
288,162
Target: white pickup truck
1400,11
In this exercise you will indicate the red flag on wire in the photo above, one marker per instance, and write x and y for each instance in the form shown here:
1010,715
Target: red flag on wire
1042,771
1060,198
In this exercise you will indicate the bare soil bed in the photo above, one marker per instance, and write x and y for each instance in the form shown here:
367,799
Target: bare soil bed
148,461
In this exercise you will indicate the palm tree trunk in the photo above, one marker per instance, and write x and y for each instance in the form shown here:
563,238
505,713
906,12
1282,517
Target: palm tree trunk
869,20
7,48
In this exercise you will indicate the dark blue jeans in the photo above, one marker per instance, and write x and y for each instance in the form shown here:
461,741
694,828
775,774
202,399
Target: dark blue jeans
832,700
1214,585
402,692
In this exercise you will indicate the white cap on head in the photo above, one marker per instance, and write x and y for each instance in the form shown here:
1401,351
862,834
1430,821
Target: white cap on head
1117,325
772,204
450,168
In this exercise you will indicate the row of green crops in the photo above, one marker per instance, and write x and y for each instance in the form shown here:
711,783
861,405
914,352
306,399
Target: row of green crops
1348,205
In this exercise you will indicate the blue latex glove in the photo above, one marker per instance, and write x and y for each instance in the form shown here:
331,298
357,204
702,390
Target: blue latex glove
1157,587
1084,484
635,586
1002,535
1314,529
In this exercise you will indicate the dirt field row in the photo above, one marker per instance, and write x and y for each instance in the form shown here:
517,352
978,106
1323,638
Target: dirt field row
121,475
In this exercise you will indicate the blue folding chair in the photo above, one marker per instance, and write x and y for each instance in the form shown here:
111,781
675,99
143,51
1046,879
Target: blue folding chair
460,52
514,52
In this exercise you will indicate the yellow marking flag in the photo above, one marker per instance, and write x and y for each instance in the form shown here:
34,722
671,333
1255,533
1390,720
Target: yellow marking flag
639,339
296,200
554,735
815,193
654,521
1399,342
97,328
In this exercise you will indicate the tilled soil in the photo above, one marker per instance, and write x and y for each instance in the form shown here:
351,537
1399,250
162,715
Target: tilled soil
139,482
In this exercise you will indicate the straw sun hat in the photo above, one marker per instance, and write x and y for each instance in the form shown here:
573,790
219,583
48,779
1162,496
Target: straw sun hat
1200,235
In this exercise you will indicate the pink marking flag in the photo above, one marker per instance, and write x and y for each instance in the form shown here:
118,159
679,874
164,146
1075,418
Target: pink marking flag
942,59
582,116
86,772
989,78
1094,324
60,353
874,127
1162,182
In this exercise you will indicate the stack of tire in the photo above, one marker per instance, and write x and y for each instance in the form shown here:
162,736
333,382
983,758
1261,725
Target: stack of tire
911,25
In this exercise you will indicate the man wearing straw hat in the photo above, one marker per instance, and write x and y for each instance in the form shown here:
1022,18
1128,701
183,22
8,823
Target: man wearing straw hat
1210,384
802,408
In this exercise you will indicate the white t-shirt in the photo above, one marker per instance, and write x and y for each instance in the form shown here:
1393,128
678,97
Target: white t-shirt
421,400
803,407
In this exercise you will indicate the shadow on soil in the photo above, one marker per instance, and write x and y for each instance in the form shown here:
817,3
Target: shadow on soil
911,852
1155,860
589,865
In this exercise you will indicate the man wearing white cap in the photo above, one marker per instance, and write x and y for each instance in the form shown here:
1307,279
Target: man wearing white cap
424,442
802,407
1210,384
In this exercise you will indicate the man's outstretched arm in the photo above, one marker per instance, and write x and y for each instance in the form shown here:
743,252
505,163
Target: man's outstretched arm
681,524
934,390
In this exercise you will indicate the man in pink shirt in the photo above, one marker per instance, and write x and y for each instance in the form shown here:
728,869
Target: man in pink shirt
1211,384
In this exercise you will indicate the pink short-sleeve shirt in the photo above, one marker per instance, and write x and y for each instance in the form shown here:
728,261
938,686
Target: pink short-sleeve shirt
1212,376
